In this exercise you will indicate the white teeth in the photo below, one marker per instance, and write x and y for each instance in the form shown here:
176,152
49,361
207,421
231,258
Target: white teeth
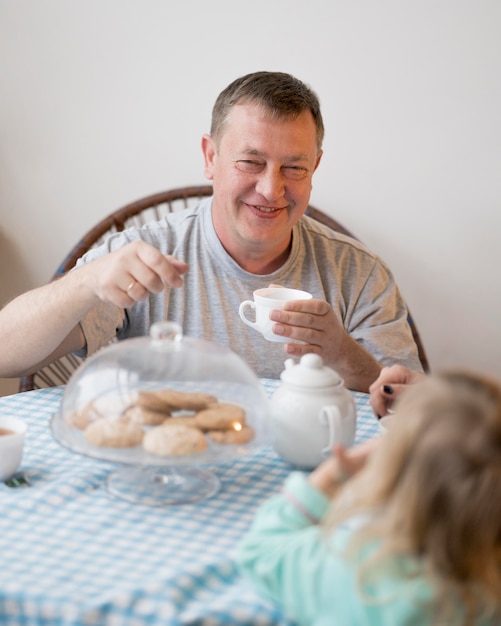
266,209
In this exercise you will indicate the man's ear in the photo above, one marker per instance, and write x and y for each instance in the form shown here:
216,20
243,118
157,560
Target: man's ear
319,158
209,152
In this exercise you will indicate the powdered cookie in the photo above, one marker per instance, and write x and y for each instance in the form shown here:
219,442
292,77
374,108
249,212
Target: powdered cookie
220,416
143,415
105,406
232,437
79,419
114,433
110,405
174,440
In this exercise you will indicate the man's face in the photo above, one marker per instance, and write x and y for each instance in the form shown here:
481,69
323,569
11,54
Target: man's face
261,172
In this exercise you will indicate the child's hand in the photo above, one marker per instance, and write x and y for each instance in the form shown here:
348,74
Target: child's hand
341,466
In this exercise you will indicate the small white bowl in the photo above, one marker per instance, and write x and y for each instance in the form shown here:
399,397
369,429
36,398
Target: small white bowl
11,445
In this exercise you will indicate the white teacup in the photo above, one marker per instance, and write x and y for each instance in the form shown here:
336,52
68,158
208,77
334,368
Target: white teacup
265,301
12,432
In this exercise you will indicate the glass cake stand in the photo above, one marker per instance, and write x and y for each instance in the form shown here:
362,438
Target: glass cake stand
111,380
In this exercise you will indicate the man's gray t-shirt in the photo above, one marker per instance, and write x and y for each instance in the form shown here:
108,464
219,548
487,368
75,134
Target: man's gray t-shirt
356,283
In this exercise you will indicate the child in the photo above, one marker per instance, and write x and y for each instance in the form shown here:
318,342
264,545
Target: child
404,530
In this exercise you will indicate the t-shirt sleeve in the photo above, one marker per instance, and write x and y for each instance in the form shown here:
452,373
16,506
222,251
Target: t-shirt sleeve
379,322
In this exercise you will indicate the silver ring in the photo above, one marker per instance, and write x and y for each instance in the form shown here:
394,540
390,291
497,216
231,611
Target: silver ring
131,286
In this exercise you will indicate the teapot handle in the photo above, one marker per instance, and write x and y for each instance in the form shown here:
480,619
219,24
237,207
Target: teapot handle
331,416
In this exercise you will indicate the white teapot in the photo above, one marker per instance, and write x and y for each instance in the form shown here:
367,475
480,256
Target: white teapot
310,412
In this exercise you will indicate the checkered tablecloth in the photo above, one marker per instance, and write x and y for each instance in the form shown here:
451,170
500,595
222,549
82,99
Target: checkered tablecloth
71,554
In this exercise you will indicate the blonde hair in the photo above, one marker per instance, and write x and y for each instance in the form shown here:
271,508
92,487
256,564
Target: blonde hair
432,490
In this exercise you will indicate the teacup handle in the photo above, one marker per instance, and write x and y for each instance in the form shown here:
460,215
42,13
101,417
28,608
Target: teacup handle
331,416
241,311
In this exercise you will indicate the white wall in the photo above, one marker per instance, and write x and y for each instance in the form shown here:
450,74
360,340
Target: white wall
104,101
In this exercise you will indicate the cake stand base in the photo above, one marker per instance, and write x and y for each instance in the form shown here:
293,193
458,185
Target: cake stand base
160,486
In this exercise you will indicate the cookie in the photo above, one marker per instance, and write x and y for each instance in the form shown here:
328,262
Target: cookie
145,416
79,419
110,405
174,400
105,406
220,416
188,400
153,401
174,440
232,437
114,433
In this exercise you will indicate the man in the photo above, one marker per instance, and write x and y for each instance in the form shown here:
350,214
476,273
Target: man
195,267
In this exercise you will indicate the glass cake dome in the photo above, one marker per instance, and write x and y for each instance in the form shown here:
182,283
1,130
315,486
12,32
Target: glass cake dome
166,408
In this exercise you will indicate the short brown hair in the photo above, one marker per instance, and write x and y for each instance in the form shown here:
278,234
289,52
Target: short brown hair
283,95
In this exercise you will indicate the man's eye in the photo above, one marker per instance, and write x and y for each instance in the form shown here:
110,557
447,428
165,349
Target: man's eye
250,167
294,172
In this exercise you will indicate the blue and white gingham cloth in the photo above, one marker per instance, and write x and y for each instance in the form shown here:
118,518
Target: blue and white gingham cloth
72,555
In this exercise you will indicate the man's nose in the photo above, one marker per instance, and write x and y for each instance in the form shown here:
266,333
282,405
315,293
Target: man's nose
270,183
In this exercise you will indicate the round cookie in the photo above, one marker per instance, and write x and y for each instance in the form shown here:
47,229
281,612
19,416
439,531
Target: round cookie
114,433
145,416
174,440
105,406
79,419
232,437
153,401
110,405
220,416
188,400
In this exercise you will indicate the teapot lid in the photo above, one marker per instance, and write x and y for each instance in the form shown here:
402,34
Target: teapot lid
310,372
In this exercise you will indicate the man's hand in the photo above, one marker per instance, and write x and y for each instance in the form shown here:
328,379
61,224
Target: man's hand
315,323
129,274
121,278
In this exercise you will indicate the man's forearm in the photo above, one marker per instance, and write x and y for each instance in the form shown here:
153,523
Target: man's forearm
356,366
41,325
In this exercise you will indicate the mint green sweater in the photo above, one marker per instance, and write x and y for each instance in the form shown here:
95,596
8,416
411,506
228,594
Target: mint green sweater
289,559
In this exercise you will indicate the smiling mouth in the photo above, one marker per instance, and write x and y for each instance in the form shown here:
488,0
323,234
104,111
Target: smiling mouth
267,209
